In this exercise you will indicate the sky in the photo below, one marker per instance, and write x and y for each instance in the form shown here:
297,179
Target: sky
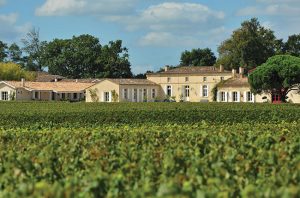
155,32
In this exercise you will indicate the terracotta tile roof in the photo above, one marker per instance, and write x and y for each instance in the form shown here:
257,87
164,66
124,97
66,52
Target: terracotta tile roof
123,81
192,70
235,82
52,86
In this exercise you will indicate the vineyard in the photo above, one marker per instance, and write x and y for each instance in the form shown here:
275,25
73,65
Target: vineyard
149,150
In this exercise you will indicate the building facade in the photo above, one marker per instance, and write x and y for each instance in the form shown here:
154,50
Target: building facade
42,91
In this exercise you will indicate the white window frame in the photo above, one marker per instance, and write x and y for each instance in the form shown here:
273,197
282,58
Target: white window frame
153,93
125,94
205,91
249,96
223,96
235,96
135,95
186,91
4,95
106,96
169,89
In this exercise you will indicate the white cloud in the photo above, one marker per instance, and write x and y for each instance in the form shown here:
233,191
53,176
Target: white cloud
79,7
10,30
174,24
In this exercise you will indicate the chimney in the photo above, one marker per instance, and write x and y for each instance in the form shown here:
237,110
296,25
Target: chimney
22,82
166,68
241,71
233,72
221,68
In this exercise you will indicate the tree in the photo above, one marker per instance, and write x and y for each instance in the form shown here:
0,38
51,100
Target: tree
78,57
3,52
34,48
15,54
198,57
84,57
115,59
13,71
280,74
292,46
249,46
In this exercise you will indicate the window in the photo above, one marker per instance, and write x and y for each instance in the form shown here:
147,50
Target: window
153,93
223,96
205,91
135,92
169,90
63,95
125,94
169,79
4,95
186,79
204,79
187,91
234,96
222,78
249,97
75,96
36,95
106,97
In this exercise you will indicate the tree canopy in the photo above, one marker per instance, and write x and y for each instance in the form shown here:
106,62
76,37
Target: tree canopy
84,57
249,46
13,71
280,74
198,57
292,46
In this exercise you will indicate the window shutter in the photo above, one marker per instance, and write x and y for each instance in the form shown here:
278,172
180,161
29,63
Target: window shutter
245,96
218,96
239,96
253,98
226,96
208,91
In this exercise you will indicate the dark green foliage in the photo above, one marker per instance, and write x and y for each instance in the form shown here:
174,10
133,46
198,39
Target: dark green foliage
292,46
249,46
279,74
84,57
198,57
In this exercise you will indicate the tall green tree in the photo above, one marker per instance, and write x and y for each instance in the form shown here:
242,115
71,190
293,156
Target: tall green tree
280,74
84,57
15,54
249,46
3,51
198,57
115,59
78,57
34,47
292,46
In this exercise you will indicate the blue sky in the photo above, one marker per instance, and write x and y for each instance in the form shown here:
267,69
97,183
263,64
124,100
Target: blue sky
156,32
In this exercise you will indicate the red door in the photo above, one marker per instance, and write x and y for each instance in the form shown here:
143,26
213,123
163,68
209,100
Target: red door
276,98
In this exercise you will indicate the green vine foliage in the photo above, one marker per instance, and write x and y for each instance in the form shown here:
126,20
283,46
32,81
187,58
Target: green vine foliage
94,95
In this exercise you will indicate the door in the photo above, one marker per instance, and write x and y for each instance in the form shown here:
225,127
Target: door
276,98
